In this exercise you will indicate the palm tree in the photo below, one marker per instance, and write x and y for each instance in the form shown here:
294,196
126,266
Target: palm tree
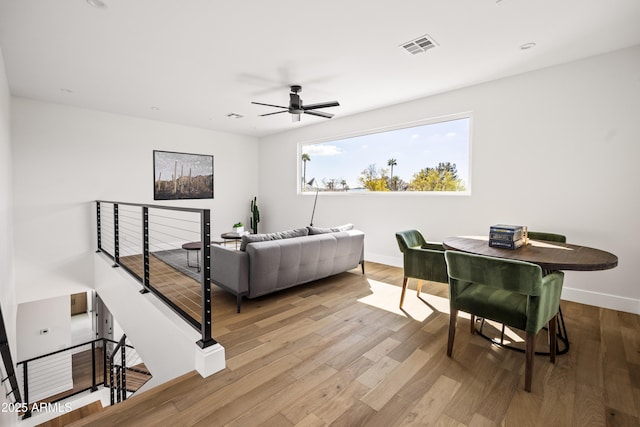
392,163
305,159
344,184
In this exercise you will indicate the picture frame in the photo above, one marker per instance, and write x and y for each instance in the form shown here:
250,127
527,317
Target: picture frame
178,176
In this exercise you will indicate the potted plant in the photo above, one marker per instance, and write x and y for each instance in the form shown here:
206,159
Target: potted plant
238,227
255,216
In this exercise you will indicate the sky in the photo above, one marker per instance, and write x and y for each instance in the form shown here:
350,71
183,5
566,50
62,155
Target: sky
413,148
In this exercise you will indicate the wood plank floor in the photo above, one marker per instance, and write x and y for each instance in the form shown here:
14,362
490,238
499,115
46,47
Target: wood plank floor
179,288
77,414
339,352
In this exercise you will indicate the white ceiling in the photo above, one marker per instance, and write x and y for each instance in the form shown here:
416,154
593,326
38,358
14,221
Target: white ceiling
193,62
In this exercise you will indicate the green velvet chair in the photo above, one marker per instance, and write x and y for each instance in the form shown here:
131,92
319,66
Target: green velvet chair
549,237
510,292
422,260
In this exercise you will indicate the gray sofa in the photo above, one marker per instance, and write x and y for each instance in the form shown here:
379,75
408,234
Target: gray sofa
269,266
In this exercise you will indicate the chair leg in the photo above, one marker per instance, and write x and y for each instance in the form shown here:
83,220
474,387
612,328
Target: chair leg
553,339
404,289
530,342
419,287
472,324
453,318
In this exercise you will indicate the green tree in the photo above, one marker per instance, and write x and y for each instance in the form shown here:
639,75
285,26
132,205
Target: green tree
444,177
305,159
345,186
373,179
398,184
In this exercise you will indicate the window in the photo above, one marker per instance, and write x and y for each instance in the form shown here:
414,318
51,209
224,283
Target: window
429,157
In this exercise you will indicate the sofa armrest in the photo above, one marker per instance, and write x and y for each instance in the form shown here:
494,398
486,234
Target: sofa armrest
230,269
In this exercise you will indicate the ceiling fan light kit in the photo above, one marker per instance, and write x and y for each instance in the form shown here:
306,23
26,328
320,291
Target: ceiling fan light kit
296,107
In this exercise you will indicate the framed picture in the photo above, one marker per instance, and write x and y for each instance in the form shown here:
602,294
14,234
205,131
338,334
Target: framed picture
182,176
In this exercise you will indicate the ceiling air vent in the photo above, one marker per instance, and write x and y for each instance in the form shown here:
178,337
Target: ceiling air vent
419,45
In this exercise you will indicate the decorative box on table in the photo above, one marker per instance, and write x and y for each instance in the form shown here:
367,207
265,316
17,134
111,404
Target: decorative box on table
507,236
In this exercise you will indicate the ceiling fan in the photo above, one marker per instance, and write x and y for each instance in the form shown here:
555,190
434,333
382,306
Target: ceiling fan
296,108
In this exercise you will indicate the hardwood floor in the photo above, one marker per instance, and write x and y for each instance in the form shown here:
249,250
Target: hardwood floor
179,288
339,352
77,414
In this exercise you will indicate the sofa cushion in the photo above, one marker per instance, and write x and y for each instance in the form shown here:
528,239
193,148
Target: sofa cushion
280,264
287,234
321,230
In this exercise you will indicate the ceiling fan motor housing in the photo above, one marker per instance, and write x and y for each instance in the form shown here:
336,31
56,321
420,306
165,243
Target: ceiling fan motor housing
295,104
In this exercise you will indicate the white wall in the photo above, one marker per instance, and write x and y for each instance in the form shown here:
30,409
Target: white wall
7,285
52,314
51,375
64,158
555,149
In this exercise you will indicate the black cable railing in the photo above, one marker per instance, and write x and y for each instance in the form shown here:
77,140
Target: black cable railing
118,372
7,371
61,374
150,242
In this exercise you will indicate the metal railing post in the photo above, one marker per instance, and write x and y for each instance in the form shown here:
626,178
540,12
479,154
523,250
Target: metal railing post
205,236
124,372
25,378
112,396
104,362
145,250
94,383
99,225
116,236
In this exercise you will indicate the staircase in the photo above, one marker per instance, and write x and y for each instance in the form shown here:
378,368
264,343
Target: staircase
75,415
113,365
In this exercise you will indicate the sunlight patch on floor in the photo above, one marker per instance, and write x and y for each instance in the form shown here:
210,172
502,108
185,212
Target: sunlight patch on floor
493,329
387,297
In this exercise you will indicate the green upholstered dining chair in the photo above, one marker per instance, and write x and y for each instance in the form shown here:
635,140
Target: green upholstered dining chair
511,292
549,237
422,260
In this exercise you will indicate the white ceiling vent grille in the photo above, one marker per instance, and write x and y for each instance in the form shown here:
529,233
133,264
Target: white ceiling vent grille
419,45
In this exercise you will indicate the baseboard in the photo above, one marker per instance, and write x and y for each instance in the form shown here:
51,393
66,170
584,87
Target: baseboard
598,299
383,259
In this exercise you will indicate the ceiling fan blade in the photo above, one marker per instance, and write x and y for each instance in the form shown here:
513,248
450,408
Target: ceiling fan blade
270,105
295,118
271,114
322,105
319,114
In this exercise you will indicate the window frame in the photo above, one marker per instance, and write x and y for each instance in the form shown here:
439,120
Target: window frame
371,131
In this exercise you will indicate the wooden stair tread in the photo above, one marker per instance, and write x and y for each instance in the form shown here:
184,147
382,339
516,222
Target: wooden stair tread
136,402
75,415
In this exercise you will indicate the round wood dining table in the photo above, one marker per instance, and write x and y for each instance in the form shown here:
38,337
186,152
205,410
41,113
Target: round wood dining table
551,256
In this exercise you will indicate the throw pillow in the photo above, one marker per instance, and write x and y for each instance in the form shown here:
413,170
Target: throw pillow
344,227
279,235
321,230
